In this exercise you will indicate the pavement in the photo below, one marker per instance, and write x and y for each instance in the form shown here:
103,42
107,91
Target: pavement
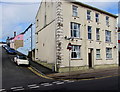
40,68
76,75
88,74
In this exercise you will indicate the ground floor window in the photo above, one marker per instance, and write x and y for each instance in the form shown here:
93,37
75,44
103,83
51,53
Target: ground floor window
75,54
108,53
98,54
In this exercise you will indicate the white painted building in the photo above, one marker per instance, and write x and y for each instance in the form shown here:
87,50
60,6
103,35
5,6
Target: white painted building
91,31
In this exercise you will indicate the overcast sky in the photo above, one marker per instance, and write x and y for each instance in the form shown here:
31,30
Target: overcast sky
17,15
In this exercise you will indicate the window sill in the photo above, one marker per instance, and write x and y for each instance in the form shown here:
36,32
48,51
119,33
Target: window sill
77,38
109,42
75,16
109,59
76,59
98,41
99,59
90,39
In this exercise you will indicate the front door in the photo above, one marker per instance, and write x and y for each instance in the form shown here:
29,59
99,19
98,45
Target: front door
90,58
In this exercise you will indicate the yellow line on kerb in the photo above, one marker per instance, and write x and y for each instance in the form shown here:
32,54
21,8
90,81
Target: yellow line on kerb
38,73
43,76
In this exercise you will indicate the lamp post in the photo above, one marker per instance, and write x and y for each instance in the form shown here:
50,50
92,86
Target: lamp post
69,47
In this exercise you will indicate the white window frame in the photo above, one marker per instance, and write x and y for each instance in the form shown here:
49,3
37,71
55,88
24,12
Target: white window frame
98,34
107,36
90,32
75,10
75,30
97,17
108,53
88,15
75,50
98,55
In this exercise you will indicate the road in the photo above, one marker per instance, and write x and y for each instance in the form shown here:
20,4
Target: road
21,78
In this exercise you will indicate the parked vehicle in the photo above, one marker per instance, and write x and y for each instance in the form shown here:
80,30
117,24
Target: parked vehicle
11,51
21,60
6,47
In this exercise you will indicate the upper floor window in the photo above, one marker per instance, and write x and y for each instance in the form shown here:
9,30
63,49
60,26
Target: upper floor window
88,15
45,20
75,54
108,36
89,32
75,30
108,53
97,17
107,20
37,23
18,38
97,34
75,10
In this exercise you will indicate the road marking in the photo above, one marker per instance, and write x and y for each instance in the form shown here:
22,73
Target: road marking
37,73
2,90
55,81
16,87
46,84
33,86
58,82
69,81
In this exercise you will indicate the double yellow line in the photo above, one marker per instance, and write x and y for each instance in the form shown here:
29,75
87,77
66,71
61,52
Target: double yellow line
37,73
46,77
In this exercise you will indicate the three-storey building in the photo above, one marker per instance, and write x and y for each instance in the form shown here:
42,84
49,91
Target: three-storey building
91,32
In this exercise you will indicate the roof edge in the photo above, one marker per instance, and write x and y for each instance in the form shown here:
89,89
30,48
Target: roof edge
91,7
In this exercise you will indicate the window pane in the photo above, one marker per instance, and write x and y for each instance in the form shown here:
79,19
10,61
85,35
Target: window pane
75,10
98,56
75,30
89,36
75,52
108,53
108,36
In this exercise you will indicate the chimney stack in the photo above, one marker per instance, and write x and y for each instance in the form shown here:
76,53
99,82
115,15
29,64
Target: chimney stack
14,34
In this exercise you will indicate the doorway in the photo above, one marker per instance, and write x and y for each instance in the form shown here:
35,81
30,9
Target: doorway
90,58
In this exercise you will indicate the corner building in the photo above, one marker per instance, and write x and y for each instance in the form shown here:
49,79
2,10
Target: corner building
91,32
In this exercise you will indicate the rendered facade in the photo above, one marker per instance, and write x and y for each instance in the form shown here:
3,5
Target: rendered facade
91,32
16,41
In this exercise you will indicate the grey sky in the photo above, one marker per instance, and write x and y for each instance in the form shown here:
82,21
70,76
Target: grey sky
17,16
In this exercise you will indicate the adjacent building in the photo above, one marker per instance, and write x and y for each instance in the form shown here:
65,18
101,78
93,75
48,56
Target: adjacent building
29,44
17,41
90,31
